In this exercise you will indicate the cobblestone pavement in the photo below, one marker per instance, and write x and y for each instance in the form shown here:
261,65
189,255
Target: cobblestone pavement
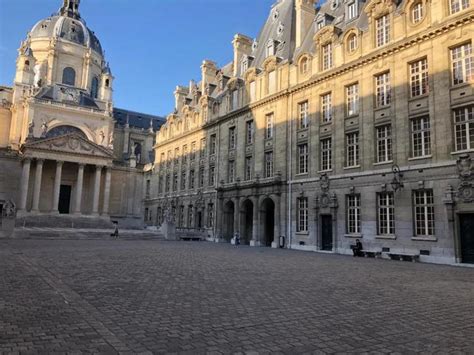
90,296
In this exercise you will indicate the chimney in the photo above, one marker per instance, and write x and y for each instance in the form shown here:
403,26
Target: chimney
242,46
180,95
208,72
305,13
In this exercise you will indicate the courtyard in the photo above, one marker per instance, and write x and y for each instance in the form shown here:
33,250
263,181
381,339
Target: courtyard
153,296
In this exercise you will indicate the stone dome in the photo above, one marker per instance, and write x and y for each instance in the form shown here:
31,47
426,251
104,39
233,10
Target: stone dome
68,25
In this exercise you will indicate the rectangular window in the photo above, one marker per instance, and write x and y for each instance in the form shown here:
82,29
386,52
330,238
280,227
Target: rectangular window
168,183
272,82
202,148
419,78
183,180
160,184
212,148
191,179
462,64
326,154
231,171
352,99
212,175
253,91
249,132
383,95
353,214
162,158
235,100
176,156
327,56
464,128
303,113
181,216
175,182
352,10
269,126
458,5
268,164
423,204
190,216
384,144
303,158
201,177
232,138
302,210
147,188
248,168
352,149
193,151
184,160
210,215
382,28
169,158
386,213
421,136
326,107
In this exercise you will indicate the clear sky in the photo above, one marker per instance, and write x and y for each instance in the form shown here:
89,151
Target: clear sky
152,45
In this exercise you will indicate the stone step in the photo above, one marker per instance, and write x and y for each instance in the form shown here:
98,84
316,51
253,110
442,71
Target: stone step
63,221
82,234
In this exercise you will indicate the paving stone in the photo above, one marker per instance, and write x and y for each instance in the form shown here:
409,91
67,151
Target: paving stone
96,296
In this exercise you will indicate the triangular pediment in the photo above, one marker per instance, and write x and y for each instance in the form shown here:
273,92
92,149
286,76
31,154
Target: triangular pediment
69,144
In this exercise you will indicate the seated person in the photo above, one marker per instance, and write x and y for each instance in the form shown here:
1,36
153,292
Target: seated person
357,248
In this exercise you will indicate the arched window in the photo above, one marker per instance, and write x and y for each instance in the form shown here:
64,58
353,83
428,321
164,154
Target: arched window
107,82
69,76
352,43
304,66
95,87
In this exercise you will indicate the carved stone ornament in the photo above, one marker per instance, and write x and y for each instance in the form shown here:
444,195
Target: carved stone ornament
377,8
465,168
324,200
326,34
324,183
9,210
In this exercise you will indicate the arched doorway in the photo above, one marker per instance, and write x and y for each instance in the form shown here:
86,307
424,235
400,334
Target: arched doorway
268,222
228,227
246,222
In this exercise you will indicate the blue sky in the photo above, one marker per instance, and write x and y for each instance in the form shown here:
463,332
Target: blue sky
163,42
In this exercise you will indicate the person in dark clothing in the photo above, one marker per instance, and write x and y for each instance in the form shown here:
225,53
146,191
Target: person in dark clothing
357,248
115,234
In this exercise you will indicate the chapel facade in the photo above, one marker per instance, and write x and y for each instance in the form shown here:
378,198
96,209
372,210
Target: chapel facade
67,156
353,120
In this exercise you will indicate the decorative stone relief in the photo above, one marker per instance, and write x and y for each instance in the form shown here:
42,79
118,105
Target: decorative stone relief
9,210
465,167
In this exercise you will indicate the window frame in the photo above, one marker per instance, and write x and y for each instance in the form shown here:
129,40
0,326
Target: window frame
424,136
303,114
426,209
326,154
386,213
302,215
383,89
303,158
352,150
464,63
382,30
465,126
418,71
384,141
353,214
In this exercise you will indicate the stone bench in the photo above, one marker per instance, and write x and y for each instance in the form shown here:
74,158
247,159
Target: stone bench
404,257
371,253
193,238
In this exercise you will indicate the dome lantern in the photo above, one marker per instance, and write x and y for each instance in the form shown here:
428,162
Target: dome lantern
70,8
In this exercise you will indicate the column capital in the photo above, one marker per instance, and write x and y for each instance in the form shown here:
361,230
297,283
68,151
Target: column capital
99,167
39,161
81,165
26,160
59,162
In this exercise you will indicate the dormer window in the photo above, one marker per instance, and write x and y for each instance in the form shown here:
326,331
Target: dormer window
69,76
244,66
320,24
417,12
382,27
95,87
351,10
304,66
327,56
270,48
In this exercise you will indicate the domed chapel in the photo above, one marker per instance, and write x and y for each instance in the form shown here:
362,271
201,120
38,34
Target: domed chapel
62,141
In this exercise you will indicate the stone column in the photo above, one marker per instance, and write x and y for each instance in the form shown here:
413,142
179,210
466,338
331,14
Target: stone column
80,180
37,187
277,219
219,216
57,186
105,206
236,216
95,199
255,242
25,179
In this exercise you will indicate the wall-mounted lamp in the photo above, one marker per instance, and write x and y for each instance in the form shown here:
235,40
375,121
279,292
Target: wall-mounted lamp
397,183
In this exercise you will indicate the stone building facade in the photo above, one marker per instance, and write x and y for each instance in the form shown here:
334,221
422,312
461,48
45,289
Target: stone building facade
352,120
67,156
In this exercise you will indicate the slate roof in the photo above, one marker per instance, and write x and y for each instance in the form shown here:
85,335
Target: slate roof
137,119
